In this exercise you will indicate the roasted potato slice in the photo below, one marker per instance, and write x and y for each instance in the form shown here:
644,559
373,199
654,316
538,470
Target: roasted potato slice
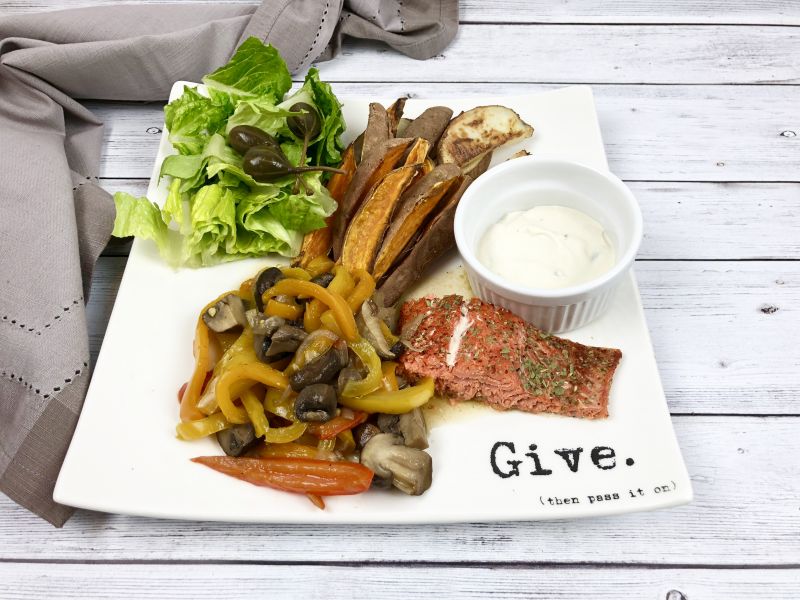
365,232
371,170
430,124
318,242
395,113
437,239
477,131
417,203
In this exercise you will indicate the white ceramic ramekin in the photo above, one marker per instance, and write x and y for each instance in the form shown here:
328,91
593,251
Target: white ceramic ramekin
521,184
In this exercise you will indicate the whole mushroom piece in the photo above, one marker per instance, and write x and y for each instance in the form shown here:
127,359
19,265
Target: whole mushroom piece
410,470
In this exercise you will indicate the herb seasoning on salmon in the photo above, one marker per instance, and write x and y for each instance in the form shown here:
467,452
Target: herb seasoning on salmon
475,350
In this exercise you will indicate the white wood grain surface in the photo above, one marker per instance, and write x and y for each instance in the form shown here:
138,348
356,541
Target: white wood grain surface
204,581
674,133
698,102
720,12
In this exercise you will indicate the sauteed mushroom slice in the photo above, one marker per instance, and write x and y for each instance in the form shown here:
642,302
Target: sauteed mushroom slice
369,325
409,469
265,280
322,369
284,342
227,313
316,403
237,440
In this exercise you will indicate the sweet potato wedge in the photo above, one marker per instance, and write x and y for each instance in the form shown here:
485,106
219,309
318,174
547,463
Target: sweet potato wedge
365,232
371,170
377,132
402,125
318,242
478,131
430,124
437,239
418,152
414,208
478,166
395,113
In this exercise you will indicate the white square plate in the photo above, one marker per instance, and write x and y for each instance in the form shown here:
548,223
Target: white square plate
125,458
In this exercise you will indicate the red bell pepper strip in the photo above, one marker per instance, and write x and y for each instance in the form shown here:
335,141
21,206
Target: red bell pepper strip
330,429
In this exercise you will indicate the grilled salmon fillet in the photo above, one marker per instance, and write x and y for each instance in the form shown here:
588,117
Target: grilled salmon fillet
475,350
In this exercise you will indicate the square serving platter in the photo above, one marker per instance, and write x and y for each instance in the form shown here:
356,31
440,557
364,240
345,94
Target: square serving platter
488,465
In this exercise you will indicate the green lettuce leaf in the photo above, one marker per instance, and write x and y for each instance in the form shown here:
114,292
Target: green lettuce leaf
191,119
141,218
255,70
213,219
261,113
192,169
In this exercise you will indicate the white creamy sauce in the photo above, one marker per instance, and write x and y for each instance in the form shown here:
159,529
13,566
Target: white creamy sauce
547,247
461,328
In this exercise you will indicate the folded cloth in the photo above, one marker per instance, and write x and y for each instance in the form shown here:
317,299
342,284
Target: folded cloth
54,217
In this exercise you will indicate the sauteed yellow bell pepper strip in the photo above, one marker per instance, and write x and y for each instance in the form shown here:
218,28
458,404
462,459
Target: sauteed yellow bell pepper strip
282,435
194,430
294,450
329,322
232,376
290,312
337,305
393,403
342,284
296,273
255,410
189,410
372,362
277,404
346,440
239,352
319,265
389,378
363,290
327,445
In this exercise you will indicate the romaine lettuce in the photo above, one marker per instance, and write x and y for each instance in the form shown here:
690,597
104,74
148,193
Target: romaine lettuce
219,212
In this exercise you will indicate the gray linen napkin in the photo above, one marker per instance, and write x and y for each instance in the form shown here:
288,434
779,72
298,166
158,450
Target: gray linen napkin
55,219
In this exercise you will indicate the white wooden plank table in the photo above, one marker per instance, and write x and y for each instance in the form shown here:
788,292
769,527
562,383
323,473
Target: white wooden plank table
699,103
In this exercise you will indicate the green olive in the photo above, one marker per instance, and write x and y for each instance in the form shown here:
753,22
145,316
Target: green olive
304,126
243,137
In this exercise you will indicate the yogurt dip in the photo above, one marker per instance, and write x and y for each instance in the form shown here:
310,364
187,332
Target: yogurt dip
547,247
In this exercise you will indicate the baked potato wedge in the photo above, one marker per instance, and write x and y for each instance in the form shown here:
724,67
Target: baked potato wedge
437,239
413,210
365,232
480,130
372,169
